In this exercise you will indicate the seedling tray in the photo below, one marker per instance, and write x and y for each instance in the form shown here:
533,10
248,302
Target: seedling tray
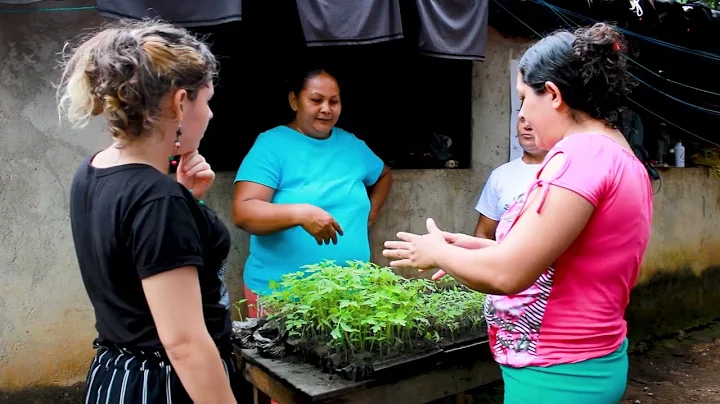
402,365
365,366
361,321
368,366
361,370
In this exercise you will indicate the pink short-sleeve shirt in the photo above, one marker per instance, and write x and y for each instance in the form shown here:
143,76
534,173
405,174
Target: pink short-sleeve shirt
575,310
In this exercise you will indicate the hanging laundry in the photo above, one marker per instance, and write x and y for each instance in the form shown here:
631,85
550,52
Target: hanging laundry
349,22
187,13
453,29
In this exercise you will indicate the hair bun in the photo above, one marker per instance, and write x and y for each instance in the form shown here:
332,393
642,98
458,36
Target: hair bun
599,37
587,66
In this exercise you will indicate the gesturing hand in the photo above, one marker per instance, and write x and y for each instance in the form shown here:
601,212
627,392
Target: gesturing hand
463,241
468,242
321,225
195,173
415,251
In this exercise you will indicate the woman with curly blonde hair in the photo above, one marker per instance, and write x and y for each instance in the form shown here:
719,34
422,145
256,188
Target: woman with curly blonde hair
151,254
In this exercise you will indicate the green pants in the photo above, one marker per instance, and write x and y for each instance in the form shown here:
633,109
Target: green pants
595,381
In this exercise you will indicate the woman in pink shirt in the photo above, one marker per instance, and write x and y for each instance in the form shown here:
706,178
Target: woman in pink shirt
559,276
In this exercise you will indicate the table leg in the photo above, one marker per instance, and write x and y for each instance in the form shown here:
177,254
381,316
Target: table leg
259,397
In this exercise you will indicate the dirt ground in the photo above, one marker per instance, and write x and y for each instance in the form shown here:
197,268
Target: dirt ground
682,370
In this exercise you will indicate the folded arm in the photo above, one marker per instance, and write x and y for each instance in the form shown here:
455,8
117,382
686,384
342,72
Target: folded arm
379,192
253,212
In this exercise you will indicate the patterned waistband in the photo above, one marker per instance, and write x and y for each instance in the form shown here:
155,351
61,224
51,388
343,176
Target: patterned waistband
149,353
112,356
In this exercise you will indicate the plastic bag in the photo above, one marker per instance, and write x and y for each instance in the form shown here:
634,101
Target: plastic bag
269,342
243,332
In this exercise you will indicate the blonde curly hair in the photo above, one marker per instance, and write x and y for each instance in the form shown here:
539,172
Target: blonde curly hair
125,70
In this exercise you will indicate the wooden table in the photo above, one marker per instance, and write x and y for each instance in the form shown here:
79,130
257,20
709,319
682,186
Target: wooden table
289,382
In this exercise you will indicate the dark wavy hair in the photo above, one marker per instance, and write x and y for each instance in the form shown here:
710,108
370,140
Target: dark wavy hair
300,76
587,66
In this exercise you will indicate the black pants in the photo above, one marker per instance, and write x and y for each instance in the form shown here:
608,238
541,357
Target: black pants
118,376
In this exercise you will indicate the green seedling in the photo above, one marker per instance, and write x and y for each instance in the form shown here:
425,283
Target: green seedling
238,306
361,307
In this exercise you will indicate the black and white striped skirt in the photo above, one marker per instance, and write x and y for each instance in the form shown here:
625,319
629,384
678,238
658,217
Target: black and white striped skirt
118,375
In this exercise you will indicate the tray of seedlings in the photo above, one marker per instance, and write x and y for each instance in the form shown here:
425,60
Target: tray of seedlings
361,321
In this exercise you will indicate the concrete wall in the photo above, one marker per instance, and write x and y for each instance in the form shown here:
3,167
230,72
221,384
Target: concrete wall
46,322
678,285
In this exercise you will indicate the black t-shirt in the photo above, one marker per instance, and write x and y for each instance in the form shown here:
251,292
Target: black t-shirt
131,222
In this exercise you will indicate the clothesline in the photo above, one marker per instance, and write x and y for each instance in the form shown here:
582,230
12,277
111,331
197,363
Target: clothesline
46,9
534,31
669,45
574,24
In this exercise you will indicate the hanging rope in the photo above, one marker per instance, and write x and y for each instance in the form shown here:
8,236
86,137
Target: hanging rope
636,7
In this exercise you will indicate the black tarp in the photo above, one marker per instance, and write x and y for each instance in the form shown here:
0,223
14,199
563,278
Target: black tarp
188,13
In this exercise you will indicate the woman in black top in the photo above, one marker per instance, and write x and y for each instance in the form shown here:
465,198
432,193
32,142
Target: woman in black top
151,254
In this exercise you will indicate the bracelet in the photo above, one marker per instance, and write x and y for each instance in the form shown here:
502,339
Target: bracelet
200,201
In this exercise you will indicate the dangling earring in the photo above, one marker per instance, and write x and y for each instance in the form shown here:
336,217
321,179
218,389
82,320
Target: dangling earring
174,159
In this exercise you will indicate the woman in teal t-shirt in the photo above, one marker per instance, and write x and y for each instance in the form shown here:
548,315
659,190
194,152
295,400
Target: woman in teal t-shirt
301,191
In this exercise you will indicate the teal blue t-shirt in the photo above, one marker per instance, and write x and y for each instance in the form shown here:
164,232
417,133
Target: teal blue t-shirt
332,174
